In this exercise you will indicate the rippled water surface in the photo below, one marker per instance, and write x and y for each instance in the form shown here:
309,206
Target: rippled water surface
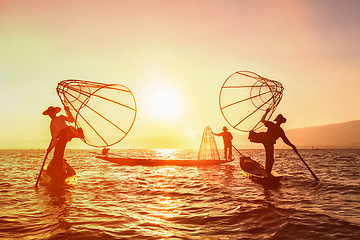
109,201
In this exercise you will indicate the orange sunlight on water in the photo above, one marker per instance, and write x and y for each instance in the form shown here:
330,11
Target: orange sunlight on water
168,154
164,207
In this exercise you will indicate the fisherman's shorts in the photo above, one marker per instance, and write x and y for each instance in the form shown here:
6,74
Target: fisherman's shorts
261,137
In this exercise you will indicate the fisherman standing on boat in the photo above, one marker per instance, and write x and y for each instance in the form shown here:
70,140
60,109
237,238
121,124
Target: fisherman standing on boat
227,138
105,151
61,134
268,138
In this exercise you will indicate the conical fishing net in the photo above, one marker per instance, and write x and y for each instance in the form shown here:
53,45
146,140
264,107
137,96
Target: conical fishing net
208,149
245,96
105,112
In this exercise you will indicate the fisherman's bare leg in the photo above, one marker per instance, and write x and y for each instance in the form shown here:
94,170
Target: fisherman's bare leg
269,149
230,152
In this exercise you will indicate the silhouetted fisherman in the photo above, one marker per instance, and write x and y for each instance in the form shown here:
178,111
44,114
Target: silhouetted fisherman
268,138
105,151
227,138
61,134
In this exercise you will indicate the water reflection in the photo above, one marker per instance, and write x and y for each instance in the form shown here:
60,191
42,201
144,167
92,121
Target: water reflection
167,207
155,221
55,202
169,154
165,171
162,205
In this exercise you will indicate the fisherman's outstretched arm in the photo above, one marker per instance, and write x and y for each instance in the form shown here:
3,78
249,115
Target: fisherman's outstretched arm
287,141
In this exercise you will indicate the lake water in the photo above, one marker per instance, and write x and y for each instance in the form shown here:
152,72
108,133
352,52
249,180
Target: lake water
109,201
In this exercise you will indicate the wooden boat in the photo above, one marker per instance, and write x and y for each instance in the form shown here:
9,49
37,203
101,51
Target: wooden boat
49,177
256,172
160,162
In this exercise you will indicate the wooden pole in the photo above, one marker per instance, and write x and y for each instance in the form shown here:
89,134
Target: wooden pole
313,174
47,153
238,151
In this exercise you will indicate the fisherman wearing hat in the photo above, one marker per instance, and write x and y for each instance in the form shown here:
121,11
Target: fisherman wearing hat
61,134
227,138
268,138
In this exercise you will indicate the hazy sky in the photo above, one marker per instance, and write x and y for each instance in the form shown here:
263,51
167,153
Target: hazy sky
188,48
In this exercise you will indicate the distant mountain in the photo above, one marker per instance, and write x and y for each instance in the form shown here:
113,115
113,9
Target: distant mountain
339,135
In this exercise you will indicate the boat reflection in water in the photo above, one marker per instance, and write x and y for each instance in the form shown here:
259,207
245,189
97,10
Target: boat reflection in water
55,206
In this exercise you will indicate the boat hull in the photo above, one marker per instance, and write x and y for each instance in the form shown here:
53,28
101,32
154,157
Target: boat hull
256,172
160,162
49,177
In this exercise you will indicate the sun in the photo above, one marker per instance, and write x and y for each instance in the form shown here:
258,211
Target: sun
165,102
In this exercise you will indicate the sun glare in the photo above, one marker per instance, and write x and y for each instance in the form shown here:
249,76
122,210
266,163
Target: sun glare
165,103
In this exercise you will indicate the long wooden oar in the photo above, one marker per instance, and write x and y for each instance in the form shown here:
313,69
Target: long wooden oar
47,153
313,174
242,155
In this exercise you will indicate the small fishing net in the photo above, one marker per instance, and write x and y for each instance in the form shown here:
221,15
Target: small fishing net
105,112
245,96
208,149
